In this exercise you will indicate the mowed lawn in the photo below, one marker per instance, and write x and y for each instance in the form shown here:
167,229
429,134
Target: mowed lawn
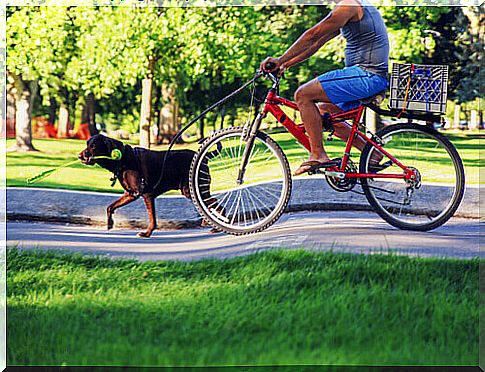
277,307
21,166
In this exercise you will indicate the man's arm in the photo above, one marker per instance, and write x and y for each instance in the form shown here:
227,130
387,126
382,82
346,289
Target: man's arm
310,51
314,38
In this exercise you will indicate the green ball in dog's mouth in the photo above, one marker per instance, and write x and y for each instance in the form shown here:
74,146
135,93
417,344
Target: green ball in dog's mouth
116,154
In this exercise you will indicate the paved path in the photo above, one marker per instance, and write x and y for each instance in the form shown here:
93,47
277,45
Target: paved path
358,232
89,208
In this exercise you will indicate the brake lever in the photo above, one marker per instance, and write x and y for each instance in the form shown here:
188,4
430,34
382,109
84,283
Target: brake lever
272,74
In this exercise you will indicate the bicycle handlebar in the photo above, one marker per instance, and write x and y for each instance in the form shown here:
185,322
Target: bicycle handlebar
271,75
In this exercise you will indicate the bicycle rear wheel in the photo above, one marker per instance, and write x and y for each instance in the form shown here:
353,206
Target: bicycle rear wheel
433,198
244,208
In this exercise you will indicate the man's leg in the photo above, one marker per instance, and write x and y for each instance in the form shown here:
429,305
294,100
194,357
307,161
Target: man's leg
306,97
342,129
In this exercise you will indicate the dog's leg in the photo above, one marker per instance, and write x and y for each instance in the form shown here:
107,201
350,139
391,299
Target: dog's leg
125,199
150,204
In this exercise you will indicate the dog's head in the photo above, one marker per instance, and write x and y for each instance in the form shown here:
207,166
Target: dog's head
99,145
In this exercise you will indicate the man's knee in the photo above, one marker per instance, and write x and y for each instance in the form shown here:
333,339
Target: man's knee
300,95
310,92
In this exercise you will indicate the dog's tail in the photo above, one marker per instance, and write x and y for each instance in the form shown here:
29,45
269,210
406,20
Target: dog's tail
216,152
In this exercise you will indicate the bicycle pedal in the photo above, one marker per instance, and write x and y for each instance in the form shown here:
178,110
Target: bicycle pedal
316,171
329,164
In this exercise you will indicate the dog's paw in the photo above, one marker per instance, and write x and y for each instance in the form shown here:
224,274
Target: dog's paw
143,234
214,230
110,225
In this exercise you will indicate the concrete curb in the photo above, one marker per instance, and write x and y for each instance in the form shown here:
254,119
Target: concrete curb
177,212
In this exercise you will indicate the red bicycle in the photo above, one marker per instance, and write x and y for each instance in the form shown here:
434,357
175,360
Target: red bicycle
240,179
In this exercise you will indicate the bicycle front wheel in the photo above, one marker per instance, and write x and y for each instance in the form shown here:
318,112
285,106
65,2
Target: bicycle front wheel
230,205
427,202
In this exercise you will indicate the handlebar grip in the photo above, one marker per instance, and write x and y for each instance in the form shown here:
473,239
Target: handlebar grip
270,66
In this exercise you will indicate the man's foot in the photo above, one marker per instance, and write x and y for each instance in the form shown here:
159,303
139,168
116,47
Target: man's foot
311,165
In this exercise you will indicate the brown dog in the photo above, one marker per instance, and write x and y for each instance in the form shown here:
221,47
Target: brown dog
139,172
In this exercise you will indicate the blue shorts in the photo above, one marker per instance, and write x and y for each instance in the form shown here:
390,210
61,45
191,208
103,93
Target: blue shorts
346,87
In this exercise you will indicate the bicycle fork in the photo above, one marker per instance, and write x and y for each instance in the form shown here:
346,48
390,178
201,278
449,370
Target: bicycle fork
248,135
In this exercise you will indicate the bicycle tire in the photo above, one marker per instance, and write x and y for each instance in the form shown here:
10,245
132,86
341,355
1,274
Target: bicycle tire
377,204
198,195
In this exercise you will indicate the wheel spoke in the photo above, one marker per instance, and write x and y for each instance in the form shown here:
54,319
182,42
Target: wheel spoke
438,188
252,205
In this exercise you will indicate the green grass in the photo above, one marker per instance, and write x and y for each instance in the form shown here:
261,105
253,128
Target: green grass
277,307
21,166
53,153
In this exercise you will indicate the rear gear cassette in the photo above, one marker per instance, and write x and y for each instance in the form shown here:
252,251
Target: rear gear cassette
343,184
414,183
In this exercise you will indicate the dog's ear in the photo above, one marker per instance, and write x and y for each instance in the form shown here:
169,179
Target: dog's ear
90,140
96,139
109,144
118,145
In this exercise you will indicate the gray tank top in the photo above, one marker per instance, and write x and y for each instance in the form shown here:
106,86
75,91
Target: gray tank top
367,42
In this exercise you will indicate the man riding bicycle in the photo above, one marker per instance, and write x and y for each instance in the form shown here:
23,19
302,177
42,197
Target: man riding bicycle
365,73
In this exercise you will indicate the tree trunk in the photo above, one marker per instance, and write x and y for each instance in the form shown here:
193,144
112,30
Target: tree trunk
146,105
176,126
473,124
223,114
156,113
10,113
201,133
465,113
456,117
52,110
145,113
88,114
25,95
63,125
169,112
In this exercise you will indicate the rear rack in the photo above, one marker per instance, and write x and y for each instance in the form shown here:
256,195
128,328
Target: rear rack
424,116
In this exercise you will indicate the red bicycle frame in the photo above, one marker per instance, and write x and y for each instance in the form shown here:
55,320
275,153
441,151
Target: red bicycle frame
298,131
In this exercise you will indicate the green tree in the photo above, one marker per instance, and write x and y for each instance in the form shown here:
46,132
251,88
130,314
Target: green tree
469,53
35,40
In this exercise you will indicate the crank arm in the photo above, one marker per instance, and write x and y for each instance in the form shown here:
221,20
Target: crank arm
340,175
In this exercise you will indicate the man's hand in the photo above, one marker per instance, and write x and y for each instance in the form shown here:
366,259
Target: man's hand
271,64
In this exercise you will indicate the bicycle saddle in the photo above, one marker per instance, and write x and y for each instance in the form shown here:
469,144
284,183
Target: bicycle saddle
375,100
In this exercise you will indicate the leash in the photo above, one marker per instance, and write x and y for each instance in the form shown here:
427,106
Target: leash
115,155
201,115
